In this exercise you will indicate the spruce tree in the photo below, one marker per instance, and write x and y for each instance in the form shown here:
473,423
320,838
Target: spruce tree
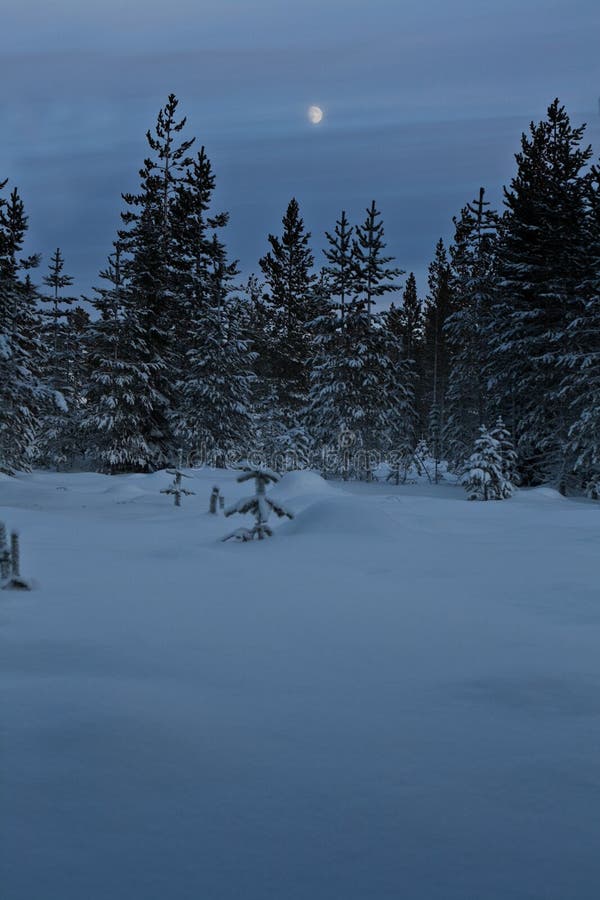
120,397
507,451
541,261
22,392
214,416
259,504
150,263
60,354
340,270
294,300
360,405
196,251
411,319
436,351
473,281
581,383
484,477
373,276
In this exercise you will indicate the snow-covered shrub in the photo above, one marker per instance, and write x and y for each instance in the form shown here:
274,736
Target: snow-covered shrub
484,477
258,505
592,489
423,460
507,451
176,488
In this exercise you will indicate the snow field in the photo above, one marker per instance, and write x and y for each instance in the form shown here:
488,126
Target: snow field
398,695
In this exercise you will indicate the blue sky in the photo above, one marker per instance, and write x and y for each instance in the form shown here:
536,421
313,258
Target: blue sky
424,102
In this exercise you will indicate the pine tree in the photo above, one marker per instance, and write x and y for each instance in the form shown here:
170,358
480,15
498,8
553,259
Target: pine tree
119,395
60,352
541,258
373,276
484,478
214,411
197,251
507,451
581,383
151,271
294,300
473,281
360,403
22,392
176,488
411,319
436,352
258,504
340,271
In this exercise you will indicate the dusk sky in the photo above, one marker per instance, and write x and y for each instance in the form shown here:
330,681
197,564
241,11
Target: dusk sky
423,104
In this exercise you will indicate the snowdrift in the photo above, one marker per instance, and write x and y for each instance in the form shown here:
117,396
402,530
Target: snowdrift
340,515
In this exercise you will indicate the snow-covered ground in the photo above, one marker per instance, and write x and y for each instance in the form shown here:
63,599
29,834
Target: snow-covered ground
397,696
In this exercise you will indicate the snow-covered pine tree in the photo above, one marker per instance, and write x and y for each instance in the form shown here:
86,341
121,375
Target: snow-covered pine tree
294,300
359,390
374,277
412,323
151,275
194,229
542,257
581,383
386,379
404,325
60,349
411,319
340,270
436,351
260,329
119,395
214,415
422,458
483,478
22,392
361,387
508,454
258,504
473,281
176,488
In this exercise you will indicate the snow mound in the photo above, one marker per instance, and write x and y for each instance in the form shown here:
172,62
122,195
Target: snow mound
300,489
545,493
340,515
122,490
300,483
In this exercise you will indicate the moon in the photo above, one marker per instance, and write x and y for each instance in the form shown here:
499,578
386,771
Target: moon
315,114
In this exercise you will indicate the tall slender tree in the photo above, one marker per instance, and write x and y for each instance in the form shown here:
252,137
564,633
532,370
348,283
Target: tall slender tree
436,351
473,282
340,269
294,299
22,392
151,272
373,275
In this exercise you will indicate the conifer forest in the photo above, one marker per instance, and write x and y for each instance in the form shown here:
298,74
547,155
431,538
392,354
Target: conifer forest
329,356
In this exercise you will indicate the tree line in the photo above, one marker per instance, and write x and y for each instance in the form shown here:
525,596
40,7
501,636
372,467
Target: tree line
302,360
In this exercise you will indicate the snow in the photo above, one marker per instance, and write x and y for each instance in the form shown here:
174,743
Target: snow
398,695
